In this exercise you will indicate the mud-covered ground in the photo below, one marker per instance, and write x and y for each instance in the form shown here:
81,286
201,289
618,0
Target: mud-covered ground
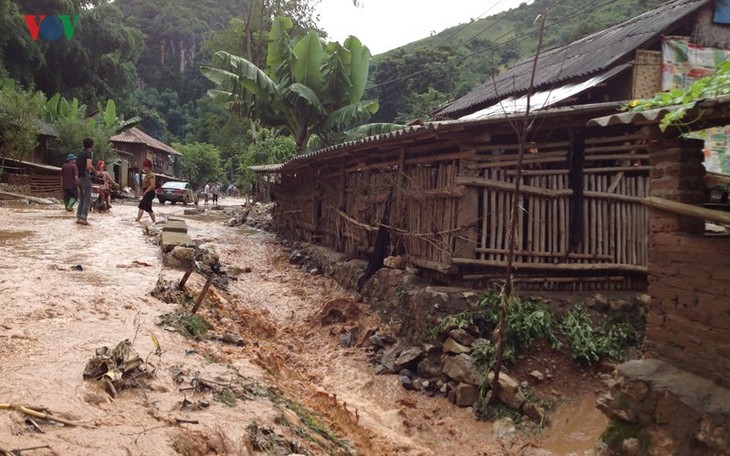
292,388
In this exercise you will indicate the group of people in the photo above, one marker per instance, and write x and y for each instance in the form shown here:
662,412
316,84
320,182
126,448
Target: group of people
76,175
213,190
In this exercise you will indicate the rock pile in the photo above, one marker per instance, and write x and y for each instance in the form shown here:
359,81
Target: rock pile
446,369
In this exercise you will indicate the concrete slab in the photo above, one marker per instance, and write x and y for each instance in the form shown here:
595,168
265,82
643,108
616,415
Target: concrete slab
170,239
175,226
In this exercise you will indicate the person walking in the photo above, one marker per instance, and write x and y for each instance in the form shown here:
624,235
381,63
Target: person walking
137,183
69,181
148,192
216,189
206,192
85,169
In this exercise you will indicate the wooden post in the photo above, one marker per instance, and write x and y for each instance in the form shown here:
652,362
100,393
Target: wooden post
467,211
181,285
202,295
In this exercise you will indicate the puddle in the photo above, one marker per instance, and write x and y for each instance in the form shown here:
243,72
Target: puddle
577,427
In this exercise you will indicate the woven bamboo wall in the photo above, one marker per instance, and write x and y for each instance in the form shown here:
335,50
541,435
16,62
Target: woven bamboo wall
449,210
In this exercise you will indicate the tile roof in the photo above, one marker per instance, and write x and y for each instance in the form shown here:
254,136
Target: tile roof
136,136
581,58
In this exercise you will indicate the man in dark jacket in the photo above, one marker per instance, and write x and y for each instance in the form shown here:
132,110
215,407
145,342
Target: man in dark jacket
86,168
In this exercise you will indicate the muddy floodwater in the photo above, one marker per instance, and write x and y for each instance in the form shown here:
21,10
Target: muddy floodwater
68,289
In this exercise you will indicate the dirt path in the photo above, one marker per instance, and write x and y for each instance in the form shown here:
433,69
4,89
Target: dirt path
291,389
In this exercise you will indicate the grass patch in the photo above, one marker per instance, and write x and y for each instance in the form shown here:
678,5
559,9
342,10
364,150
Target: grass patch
311,421
617,432
189,326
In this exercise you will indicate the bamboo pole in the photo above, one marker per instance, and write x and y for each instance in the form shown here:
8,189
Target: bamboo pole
574,267
45,416
560,255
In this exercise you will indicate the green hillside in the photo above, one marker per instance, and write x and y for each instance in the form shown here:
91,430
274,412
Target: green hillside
413,80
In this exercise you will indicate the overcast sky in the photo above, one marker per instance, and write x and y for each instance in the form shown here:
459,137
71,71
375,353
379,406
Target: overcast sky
383,25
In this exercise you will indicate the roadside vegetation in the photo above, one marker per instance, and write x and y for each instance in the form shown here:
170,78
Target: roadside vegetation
588,336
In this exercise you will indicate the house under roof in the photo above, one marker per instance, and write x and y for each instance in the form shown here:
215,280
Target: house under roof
596,57
136,136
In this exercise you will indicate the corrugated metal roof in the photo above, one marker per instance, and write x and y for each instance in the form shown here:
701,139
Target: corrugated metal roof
421,132
542,100
136,136
580,58
653,116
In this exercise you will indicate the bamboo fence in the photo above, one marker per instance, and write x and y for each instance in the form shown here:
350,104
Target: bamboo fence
581,223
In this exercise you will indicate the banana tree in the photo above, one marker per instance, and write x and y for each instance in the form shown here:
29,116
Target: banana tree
308,87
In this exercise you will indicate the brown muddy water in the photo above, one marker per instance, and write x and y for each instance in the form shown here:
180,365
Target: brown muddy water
67,289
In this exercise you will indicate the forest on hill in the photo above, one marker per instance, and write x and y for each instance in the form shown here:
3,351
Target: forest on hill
147,57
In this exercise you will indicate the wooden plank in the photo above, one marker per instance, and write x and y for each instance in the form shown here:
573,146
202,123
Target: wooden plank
525,162
558,255
545,279
575,267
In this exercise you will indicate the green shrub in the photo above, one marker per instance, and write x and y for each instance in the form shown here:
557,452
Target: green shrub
589,342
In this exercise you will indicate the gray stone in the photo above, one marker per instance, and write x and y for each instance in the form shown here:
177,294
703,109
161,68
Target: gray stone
389,357
406,382
537,375
461,336
642,299
169,240
600,301
465,395
180,257
504,429
452,346
394,262
349,338
533,411
480,341
631,447
429,367
408,357
462,369
509,391
620,305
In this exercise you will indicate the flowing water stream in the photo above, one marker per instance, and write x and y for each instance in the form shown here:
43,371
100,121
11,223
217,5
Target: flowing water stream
67,289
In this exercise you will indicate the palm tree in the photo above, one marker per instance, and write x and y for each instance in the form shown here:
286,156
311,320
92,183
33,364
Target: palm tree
308,88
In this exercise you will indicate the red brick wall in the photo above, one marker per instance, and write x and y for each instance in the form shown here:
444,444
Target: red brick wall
688,321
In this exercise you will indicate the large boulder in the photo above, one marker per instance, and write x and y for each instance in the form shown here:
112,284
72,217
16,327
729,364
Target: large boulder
462,369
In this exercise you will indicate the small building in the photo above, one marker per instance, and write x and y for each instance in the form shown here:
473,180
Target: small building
38,171
134,146
266,177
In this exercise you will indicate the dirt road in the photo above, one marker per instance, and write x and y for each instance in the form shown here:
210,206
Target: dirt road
292,388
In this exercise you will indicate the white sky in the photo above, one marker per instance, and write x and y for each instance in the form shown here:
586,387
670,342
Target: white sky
383,25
